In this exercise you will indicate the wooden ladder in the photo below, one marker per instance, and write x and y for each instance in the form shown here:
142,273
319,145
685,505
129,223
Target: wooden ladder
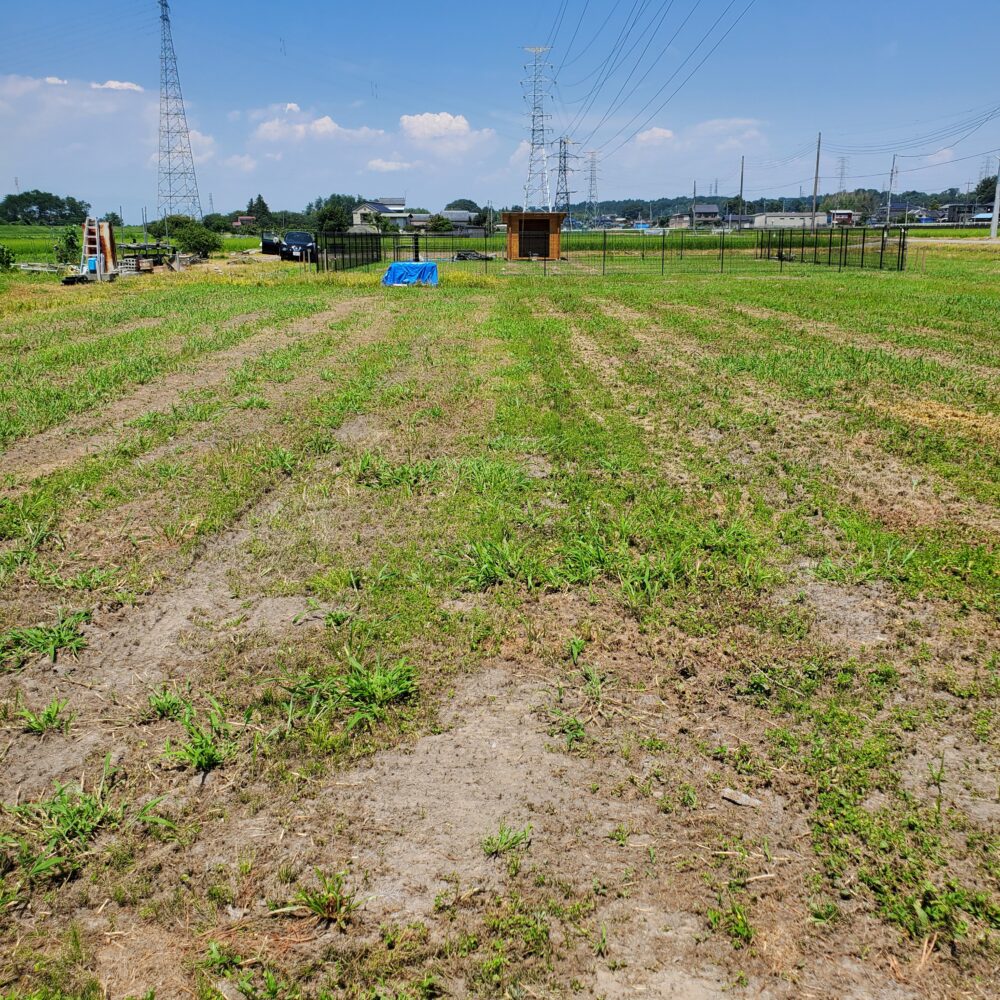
91,246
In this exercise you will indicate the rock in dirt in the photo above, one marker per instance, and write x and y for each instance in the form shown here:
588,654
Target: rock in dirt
740,798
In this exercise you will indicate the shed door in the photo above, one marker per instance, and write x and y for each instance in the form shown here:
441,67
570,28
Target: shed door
533,238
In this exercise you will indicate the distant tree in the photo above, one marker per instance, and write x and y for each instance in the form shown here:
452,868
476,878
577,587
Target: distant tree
217,222
462,205
260,211
113,217
439,224
42,208
985,190
333,217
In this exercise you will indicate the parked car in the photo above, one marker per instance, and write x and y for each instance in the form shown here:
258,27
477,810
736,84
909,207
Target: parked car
270,243
298,245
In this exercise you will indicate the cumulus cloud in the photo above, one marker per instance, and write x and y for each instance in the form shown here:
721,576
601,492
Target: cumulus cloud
292,106
55,81
284,130
240,161
655,135
389,166
202,146
443,131
117,85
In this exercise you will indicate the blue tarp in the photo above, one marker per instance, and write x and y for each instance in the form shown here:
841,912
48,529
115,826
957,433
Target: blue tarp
411,273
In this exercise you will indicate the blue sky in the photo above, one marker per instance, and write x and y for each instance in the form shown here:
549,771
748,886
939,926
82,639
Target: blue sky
296,100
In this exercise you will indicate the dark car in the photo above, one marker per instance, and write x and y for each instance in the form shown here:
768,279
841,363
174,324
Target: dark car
270,243
298,246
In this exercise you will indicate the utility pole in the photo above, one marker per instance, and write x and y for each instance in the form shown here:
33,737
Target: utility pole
819,143
211,204
536,187
17,185
177,186
842,167
996,206
739,225
888,203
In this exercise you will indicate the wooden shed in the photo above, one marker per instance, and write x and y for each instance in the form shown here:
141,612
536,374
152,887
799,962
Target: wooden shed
533,235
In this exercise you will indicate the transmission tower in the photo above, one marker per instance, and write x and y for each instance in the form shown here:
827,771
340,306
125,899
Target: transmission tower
843,164
592,189
177,186
562,183
536,187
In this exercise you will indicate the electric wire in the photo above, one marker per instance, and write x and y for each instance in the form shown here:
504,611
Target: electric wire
681,85
615,106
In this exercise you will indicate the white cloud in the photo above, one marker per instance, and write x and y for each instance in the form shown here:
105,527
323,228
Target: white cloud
942,156
202,146
241,161
655,135
389,166
292,106
520,155
443,131
55,81
283,130
117,85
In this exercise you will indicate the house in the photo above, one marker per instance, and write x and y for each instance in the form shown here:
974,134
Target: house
957,213
922,215
704,215
898,212
367,212
841,216
736,221
790,220
244,220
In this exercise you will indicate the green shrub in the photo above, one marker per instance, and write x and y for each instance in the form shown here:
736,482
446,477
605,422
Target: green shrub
6,258
194,238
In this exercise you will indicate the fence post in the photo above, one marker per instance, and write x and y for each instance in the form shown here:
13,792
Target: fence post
802,251
722,252
781,251
864,233
682,244
881,253
604,254
663,250
829,249
842,254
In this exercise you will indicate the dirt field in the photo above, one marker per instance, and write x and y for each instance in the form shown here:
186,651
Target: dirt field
530,638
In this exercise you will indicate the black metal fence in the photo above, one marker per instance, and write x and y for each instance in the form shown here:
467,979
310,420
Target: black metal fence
617,251
343,251
878,249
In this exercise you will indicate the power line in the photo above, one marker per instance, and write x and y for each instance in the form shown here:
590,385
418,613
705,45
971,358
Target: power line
576,30
597,35
665,8
683,82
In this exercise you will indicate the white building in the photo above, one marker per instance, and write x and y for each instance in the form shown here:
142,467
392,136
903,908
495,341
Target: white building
790,220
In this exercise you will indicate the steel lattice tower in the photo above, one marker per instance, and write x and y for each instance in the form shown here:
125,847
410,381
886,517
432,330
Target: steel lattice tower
562,182
177,186
592,192
536,187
